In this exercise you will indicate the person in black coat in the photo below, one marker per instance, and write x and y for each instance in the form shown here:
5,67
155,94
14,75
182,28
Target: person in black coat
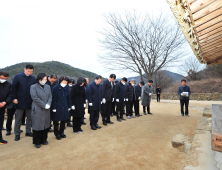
86,98
120,97
137,94
158,92
78,104
95,99
51,81
129,98
113,110
107,95
71,83
6,97
22,99
61,104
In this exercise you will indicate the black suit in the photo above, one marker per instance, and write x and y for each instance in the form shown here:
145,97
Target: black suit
158,90
107,93
137,94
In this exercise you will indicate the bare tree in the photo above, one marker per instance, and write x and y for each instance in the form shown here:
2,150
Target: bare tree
191,68
141,44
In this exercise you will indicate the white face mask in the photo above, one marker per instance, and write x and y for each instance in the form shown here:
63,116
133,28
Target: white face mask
123,83
133,84
70,85
63,85
42,82
2,80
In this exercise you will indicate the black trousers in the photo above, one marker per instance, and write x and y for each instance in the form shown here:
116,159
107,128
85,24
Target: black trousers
113,108
10,114
158,97
148,109
77,124
40,136
136,107
2,114
69,120
59,130
23,117
186,103
106,109
129,107
120,109
94,117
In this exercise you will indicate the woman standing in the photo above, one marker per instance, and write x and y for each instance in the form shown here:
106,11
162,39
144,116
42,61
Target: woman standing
78,104
61,104
40,114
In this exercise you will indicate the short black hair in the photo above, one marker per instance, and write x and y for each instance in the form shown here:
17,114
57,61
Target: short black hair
183,80
4,73
112,76
53,76
124,79
63,78
116,81
142,82
81,80
150,81
29,66
98,77
72,81
40,76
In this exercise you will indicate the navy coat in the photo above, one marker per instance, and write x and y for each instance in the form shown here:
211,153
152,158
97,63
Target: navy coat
21,90
180,90
61,101
129,91
120,91
95,96
107,90
78,100
87,92
137,91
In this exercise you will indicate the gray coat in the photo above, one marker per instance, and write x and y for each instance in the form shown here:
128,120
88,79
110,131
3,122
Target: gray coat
40,115
146,97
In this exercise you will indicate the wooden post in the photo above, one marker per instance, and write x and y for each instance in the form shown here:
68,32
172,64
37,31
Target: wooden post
217,127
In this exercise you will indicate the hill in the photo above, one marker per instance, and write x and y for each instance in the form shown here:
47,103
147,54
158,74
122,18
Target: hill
50,67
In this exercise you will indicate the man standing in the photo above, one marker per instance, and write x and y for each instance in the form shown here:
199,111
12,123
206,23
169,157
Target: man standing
51,81
94,99
137,92
5,98
129,98
158,91
120,98
86,98
184,92
147,93
107,95
22,99
113,110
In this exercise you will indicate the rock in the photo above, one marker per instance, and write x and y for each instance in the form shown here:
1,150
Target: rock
207,111
181,142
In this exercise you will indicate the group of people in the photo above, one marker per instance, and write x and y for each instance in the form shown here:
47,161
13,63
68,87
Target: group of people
47,100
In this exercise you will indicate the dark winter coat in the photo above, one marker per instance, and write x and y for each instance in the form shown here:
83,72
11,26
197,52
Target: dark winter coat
51,85
6,92
78,100
87,92
21,90
61,101
158,90
95,96
137,92
129,91
107,90
120,91
181,90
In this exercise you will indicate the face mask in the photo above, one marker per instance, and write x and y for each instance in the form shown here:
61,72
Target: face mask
42,82
70,85
2,80
63,85
133,84
123,83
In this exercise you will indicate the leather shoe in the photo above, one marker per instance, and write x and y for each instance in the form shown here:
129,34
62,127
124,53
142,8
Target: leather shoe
182,114
150,113
144,113
50,130
123,119
93,128
37,146
83,123
140,115
58,137
98,127
45,143
17,137
110,122
63,135
69,125
3,128
187,115
21,131
8,133
29,134
119,120
104,123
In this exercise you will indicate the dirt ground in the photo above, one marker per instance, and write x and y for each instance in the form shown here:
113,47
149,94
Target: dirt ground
139,143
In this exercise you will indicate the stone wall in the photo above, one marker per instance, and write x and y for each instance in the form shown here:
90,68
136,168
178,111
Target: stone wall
193,96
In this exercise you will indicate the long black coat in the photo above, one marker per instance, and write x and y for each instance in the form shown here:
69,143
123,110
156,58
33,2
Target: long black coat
137,92
129,91
95,96
107,90
21,90
78,100
61,101
6,92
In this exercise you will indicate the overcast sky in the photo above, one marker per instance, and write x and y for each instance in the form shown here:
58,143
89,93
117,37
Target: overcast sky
65,31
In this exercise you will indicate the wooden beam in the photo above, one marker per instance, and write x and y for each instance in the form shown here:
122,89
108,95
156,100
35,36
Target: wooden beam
208,30
209,17
213,56
207,10
213,53
198,5
219,46
217,60
191,1
211,37
209,24
211,44
219,37
211,33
